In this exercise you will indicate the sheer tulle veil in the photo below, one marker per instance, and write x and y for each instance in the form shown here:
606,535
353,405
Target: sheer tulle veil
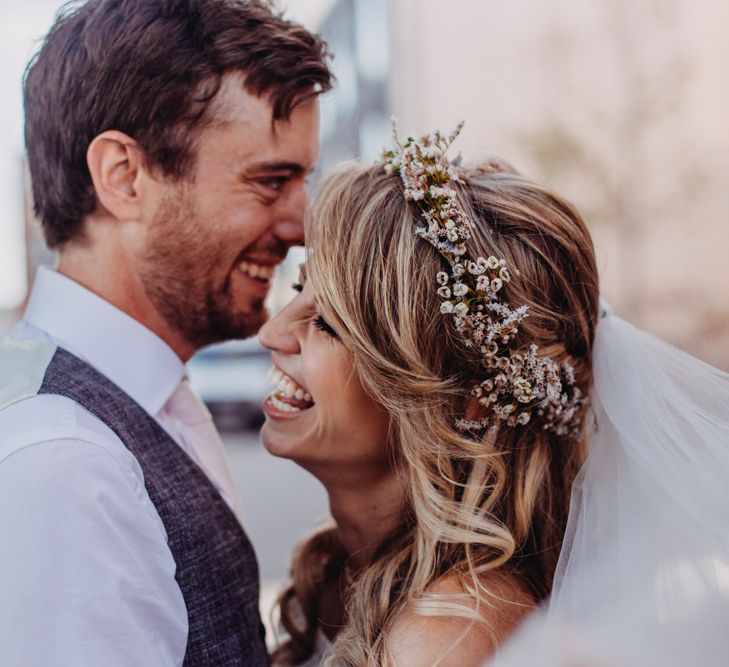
643,577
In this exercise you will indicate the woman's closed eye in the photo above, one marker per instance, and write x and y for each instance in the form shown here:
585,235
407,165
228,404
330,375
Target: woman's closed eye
321,324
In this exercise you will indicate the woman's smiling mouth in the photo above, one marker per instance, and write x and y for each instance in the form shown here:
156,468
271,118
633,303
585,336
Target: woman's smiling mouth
289,396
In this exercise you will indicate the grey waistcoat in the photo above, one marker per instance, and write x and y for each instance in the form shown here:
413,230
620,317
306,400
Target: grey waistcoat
216,568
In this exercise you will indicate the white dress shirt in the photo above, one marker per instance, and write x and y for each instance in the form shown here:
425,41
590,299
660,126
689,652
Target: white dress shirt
86,576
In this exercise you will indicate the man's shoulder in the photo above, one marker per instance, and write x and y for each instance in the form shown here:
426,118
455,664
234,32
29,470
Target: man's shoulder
50,445
45,426
27,416
23,365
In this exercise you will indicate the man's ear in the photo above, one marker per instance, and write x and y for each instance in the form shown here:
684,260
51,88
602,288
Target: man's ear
116,165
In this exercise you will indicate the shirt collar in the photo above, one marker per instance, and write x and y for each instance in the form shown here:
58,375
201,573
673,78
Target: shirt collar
121,348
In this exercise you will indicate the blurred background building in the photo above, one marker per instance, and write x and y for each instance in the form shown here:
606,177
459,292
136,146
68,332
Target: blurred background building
620,106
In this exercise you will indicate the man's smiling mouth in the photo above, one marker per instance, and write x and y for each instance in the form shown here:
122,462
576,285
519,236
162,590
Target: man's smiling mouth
262,272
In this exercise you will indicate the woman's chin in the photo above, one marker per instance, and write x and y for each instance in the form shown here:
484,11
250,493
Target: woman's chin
273,441
284,440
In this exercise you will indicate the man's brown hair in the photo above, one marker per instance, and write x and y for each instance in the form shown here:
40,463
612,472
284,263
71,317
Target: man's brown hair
150,69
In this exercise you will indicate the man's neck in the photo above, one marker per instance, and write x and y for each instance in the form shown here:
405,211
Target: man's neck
108,275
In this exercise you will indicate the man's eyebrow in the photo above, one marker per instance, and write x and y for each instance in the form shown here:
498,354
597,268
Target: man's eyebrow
293,168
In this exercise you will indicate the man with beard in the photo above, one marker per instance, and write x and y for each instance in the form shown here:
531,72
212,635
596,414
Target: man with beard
168,144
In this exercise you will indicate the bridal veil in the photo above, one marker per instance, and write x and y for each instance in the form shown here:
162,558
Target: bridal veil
643,577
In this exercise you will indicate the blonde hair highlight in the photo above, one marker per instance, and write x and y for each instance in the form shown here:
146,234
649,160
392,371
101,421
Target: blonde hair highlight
491,504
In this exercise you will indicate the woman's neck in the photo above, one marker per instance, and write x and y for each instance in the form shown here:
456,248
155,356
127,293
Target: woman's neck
365,512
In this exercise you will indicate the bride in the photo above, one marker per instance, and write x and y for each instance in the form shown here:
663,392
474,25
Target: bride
442,371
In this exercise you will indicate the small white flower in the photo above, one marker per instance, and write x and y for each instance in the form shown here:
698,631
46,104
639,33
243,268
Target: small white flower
460,309
460,289
521,382
458,270
504,274
493,262
496,284
449,224
437,192
482,264
523,418
491,349
482,282
444,292
442,277
452,235
446,307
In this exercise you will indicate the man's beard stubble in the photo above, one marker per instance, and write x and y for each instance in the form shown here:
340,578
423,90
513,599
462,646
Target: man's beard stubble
178,269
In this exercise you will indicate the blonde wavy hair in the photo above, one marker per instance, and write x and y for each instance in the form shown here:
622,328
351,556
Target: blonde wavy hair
475,506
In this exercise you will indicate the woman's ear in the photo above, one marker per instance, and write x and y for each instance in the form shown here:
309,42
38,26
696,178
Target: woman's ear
115,163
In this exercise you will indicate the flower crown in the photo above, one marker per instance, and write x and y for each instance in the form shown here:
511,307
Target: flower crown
520,385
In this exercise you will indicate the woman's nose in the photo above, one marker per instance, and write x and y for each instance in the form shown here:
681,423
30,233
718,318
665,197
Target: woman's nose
278,334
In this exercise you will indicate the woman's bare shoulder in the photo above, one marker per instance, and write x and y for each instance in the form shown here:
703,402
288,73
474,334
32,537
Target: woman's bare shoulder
417,640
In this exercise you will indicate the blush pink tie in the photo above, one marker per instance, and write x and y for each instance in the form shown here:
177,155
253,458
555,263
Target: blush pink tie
187,414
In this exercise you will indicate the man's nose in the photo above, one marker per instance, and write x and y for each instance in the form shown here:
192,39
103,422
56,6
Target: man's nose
289,226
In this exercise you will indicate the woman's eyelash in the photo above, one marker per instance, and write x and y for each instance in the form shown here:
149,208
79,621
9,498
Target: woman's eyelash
320,323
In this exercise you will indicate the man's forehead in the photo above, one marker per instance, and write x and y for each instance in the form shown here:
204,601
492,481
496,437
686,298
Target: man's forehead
234,104
242,131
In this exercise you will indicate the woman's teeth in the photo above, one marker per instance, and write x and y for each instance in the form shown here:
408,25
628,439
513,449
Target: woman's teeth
284,407
254,270
287,392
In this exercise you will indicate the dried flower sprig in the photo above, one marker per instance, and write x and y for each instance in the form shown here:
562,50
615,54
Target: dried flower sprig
520,385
